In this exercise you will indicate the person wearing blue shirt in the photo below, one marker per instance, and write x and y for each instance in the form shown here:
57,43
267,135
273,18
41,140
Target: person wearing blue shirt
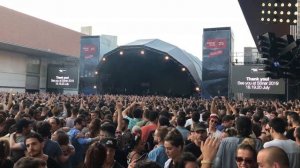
158,154
79,142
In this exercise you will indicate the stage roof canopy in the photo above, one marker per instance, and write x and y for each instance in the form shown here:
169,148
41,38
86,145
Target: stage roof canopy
189,61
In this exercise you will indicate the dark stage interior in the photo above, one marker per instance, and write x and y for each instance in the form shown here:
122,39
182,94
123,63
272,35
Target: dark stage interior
143,74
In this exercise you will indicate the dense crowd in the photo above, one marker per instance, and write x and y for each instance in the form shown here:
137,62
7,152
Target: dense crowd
116,131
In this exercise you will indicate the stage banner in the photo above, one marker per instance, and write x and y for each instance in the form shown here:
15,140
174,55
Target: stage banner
216,60
89,60
89,55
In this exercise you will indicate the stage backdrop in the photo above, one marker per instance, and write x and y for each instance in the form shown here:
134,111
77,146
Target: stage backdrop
217,51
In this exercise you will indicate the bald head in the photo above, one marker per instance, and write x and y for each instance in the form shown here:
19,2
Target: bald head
272,156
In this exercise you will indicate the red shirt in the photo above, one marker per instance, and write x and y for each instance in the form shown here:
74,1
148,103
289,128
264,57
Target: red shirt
146,130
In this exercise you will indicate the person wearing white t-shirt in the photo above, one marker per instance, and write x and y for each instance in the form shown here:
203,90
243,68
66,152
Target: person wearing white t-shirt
277,128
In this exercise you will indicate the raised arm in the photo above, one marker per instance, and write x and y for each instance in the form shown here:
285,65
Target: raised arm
10,100
209,150
213,107
128,109
120,116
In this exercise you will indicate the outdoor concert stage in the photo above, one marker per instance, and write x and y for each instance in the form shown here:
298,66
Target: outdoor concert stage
149,67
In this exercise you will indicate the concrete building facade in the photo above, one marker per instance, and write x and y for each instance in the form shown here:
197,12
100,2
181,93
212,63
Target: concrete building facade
28,45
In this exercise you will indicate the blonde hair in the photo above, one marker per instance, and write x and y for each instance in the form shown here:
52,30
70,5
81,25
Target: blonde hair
249,141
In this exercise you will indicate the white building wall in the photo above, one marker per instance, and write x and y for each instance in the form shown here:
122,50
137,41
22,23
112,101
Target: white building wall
12,71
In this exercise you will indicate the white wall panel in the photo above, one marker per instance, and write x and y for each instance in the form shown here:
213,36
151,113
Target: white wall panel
12,69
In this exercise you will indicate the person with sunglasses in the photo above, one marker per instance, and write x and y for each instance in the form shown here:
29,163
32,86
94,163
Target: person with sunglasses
246,156
212,126
226,154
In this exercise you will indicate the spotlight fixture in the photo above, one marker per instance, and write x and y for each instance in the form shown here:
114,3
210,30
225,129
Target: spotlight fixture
121,53
96,72
276,10
197,89
103,59
142,52
167,57
95,87
183,69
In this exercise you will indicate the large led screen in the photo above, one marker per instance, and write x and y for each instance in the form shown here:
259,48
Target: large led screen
60,77
252,79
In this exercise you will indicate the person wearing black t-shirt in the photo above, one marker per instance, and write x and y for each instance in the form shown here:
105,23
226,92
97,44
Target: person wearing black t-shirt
199,133
293,122
34,146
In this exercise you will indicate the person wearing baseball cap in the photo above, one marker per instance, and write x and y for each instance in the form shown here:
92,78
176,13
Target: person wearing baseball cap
111,147
199,134
212,126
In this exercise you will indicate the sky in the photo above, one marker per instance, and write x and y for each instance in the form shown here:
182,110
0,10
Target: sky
179,22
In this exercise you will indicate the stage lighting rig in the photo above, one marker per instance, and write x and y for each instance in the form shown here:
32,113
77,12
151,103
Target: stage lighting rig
279,11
